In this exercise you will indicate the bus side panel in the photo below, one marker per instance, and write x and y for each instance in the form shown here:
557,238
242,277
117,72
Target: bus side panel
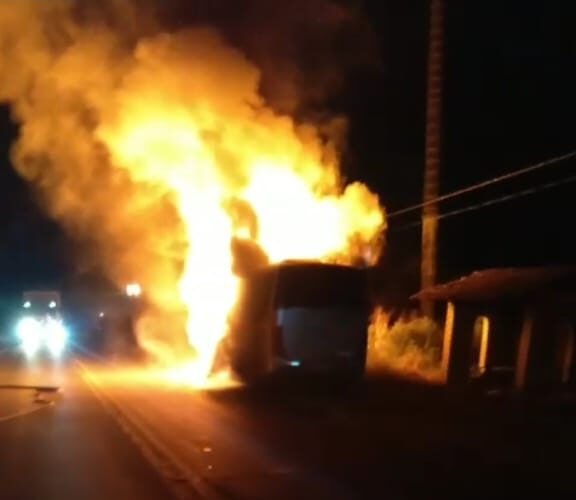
249,335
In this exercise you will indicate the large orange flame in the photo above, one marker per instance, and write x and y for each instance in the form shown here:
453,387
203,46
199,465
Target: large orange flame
159,149
212,153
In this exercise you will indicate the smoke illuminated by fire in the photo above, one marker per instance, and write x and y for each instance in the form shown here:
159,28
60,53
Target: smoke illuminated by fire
167,158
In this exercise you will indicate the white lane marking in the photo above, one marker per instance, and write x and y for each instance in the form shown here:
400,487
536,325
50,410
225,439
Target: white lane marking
23,413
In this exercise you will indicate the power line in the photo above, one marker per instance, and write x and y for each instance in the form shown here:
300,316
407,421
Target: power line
485,183
501,199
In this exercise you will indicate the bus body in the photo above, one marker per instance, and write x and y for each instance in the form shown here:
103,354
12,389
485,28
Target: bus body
301,316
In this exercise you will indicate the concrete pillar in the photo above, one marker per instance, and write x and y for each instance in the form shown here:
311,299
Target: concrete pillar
523,357
480,345
484,342
448,334
537,364
566,352
457,347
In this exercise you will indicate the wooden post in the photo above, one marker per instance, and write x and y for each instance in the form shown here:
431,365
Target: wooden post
432,154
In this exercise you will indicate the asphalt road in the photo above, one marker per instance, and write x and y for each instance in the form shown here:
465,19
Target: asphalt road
208,443
380,440
111,434
65,446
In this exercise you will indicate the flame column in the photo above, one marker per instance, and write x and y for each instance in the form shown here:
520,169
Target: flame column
433,149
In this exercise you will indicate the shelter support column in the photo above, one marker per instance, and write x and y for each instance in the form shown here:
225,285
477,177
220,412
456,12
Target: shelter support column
457,346
539,363
566,354
524,348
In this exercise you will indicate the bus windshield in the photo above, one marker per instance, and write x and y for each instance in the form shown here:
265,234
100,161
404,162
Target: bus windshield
320,285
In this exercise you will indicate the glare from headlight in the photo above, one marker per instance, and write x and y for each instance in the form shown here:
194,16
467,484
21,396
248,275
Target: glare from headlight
56,337
29,331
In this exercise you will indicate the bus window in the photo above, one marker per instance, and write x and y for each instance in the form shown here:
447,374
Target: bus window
315,286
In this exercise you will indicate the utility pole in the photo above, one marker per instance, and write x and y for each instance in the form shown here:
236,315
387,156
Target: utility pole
433,149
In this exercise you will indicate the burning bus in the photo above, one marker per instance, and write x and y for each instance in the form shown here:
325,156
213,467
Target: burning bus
304,317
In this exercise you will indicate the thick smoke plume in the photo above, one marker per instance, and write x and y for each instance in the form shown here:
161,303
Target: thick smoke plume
113,100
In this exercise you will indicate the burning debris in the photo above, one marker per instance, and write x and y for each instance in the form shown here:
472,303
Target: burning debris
158,149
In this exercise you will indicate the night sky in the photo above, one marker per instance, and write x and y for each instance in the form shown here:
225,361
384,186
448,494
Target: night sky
510,101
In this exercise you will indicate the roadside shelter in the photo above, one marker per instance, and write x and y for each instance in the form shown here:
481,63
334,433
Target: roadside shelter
518,317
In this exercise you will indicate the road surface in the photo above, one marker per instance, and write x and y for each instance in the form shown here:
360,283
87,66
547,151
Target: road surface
112,434
376,441
65,446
